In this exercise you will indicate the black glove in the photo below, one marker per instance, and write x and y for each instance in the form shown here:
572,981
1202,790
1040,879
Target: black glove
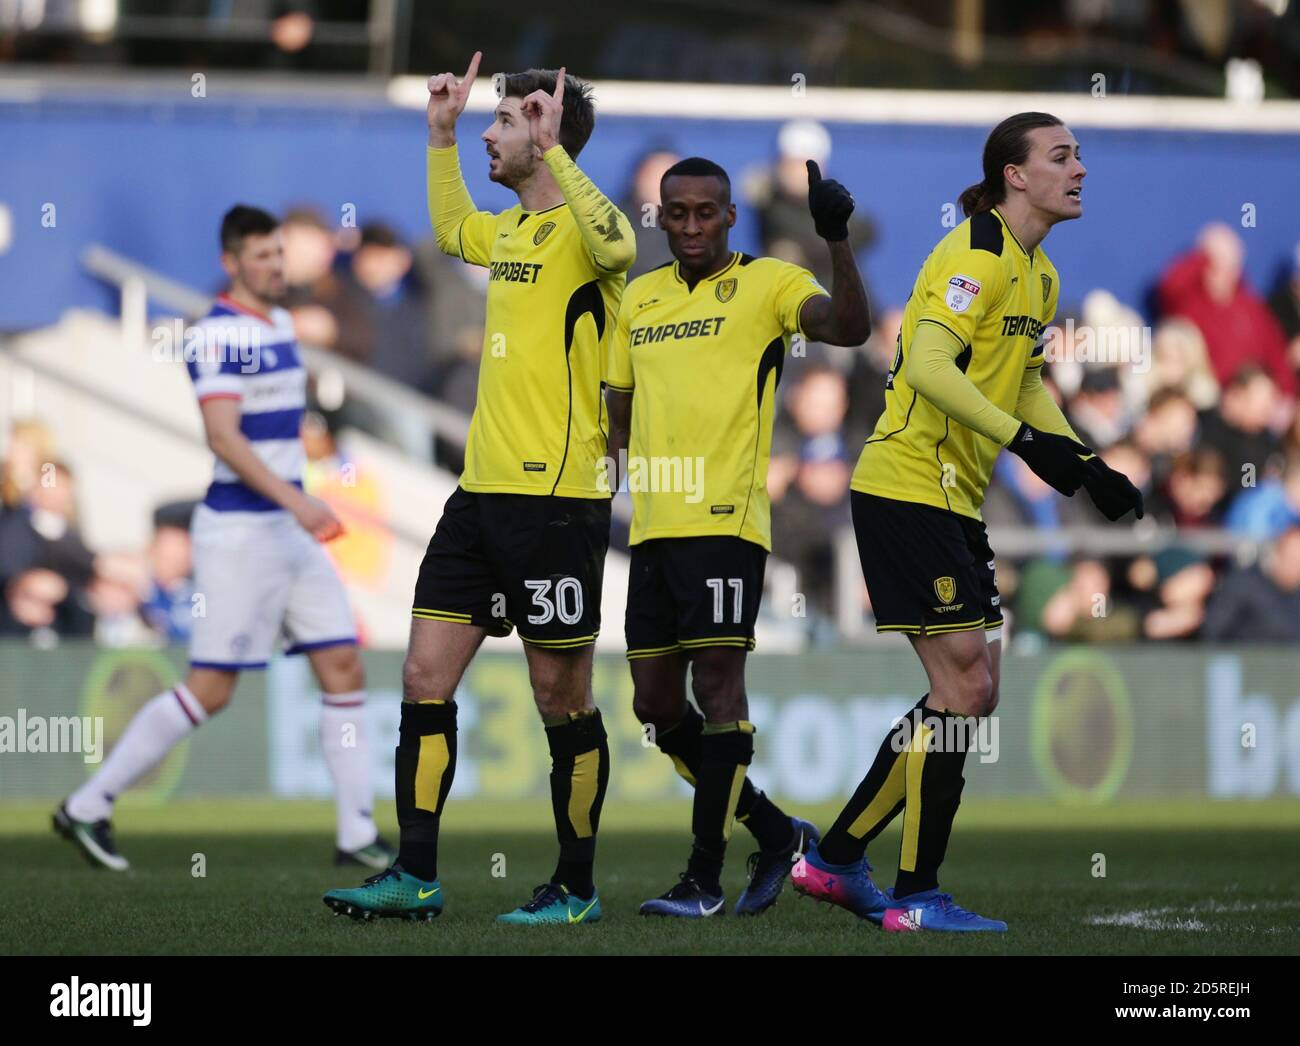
830,204
1111,491
1054,459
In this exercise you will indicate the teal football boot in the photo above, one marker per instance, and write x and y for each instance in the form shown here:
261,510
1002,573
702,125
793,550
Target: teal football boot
392,894
552,903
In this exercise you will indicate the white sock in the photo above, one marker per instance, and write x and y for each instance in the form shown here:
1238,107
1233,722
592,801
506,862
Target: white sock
346,748
156,729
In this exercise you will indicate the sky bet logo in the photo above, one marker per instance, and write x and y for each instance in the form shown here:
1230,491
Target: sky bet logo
102,1000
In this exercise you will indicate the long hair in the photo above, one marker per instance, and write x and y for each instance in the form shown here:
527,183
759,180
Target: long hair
1008,143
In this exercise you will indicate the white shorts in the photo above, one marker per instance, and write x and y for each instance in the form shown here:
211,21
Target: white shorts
262,578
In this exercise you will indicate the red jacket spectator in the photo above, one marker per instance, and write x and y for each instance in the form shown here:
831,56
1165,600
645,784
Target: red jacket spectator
1207,286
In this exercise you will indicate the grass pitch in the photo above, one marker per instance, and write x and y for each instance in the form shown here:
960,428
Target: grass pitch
1186,878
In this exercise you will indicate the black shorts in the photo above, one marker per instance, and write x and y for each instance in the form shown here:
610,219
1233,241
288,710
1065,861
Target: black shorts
686,593
927,570
526,561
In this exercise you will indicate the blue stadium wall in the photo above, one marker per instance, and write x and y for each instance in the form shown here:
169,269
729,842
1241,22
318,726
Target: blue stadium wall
151,177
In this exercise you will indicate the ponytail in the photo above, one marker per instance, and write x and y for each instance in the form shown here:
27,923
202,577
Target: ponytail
975,198
1008,143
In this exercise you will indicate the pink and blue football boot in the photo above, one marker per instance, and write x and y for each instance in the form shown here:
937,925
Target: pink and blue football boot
847,886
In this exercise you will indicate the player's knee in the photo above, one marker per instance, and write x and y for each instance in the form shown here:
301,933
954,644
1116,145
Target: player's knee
649,707
417,680
213,698
978,692
721,697
344,673
661,707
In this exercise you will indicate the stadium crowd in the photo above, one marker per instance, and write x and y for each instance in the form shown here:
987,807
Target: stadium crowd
1198,409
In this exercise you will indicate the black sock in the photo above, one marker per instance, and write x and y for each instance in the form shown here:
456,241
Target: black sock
579,777
936,793
727,749
766,821
425,766
769,825
876,801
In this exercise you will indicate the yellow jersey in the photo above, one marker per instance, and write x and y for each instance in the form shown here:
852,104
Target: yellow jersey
996,299
539,423
703,364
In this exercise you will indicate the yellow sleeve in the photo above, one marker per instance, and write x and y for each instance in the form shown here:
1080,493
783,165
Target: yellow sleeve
1036,407
603,227
933,372
619,376
963,287
793,287
460,230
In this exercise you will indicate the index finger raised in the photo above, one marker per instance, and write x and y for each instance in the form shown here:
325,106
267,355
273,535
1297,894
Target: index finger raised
472,71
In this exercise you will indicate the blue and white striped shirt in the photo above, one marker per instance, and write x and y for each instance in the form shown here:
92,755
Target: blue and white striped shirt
252,358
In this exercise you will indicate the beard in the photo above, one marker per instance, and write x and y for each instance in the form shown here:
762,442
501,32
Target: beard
272,291
514,171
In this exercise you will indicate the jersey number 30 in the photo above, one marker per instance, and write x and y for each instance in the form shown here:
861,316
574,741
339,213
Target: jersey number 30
566,604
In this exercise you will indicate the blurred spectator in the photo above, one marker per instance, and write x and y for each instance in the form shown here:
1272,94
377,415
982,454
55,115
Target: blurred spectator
1083,611
1285,303
314,289
1183,584
457,304
867,378
780,197
1179,362
383,323
29,450
1260,603
388,303
168,606
1193,493
1208,287
1266,510
1239,428
809,482
1097,412
1167,430
363,553
1116,341
45,567
641,205
814,507
814,408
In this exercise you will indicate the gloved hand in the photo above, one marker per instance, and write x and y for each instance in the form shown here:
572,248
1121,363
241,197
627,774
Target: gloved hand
1054,459
1110,490
830,203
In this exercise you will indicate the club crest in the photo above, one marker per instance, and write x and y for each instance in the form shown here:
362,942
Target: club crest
725,290
945,588
543,231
